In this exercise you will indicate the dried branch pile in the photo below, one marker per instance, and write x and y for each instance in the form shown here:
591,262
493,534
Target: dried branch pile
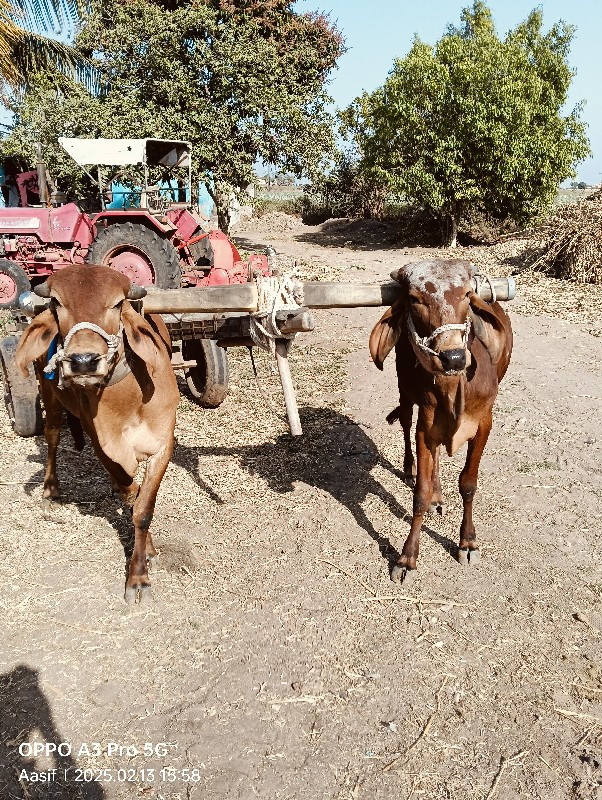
571,242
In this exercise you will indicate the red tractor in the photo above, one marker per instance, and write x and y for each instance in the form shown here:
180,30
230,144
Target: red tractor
158,240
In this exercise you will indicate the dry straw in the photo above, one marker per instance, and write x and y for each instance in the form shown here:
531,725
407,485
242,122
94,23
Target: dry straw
571,241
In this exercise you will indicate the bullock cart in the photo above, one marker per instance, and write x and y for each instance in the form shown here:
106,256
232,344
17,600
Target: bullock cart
267,312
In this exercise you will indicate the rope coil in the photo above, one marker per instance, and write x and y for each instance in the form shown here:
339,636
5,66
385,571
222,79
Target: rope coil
274,294
479,279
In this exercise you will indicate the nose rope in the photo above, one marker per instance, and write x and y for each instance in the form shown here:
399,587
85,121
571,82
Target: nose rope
423,341
113,341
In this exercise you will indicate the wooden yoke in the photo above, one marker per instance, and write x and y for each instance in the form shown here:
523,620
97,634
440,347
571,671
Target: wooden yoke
242,297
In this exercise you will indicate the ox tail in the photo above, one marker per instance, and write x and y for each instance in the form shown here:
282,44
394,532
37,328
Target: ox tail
394,415
77,431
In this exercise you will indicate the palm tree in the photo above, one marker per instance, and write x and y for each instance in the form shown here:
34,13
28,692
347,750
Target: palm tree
24,49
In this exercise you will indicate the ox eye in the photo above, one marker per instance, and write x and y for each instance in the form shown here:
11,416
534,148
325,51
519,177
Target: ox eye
414,300
119,304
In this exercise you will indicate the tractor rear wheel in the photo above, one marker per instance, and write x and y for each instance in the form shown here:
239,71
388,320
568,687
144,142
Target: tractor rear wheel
13,282
138,252
21,395
208,381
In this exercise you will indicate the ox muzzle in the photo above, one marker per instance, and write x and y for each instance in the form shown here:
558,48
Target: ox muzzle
84,368
454,360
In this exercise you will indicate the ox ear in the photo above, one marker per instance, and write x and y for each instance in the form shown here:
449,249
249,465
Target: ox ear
141,337
385,334
35,340
489,326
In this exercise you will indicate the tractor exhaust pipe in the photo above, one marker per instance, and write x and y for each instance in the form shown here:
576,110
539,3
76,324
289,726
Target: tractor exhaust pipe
42,187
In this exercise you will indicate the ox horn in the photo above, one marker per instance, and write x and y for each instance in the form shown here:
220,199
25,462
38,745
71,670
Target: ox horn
136,292
42,289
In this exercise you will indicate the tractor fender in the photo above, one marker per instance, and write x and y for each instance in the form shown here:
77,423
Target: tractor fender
139,217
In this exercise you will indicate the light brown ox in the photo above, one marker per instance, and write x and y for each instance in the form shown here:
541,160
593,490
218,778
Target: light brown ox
452,350
126,403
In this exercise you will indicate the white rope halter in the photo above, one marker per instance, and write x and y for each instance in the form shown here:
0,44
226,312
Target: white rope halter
423,342
274,294
113,342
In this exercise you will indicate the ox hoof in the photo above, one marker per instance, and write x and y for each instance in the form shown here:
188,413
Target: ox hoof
468,558
138,594
439,507
403,575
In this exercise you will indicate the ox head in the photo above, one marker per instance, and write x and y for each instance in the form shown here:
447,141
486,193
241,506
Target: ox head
436,309
82,299
433,309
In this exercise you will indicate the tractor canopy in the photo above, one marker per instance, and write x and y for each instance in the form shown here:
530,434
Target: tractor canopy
172,156
123,152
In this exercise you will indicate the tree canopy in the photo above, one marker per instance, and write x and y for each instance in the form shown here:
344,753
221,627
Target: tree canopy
474,121
243,81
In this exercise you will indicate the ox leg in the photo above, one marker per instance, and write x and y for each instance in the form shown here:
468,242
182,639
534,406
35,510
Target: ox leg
405,419
468,549
52,432
437,501
121,482
137,585
403,571
127,489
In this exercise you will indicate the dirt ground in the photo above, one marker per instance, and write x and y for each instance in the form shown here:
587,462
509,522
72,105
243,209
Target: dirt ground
278,660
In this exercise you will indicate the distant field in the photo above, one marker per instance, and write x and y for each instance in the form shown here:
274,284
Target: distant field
564,197
567,196
280,193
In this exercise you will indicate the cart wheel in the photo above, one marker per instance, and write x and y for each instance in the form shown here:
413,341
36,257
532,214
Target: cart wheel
208,381
21,394
13,282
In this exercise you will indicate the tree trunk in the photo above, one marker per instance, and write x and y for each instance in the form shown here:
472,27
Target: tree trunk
448,222
221,196
223,215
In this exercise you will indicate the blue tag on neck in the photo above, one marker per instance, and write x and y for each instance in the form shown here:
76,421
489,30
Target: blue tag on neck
51,352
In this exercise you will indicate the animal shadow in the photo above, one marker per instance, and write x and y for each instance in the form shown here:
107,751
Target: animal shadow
85,483
25,717
334,455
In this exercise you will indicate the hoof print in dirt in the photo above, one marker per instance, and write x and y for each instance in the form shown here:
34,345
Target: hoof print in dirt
403,575
141,595
468,558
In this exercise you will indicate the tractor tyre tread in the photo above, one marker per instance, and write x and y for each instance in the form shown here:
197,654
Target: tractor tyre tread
161,253
19,276
207,382
21,395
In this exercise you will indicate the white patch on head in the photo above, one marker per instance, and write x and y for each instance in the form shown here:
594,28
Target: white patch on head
444,275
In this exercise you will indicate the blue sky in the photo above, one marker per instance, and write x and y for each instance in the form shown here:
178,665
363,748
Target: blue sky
379,31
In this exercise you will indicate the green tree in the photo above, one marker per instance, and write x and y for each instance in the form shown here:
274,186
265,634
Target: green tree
475,121
243,81
23,48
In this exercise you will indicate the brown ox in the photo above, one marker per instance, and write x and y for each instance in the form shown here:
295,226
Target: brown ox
452,350
113,376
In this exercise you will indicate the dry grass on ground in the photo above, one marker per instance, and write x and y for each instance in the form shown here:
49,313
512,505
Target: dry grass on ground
278,660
